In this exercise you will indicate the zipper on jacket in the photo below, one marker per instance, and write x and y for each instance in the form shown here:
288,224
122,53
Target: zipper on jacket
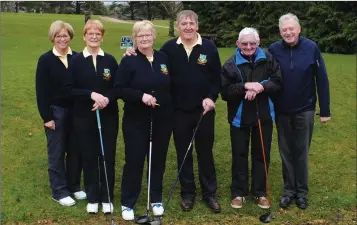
291,58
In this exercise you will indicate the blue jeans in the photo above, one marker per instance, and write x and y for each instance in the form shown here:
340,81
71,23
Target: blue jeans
294,138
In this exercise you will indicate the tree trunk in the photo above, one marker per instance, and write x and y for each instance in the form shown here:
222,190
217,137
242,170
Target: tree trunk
78,7
132,12
17,7
149,10
171,27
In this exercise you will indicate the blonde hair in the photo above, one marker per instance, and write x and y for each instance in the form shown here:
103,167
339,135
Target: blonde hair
57,26
187,13
248,31
143,25
95,24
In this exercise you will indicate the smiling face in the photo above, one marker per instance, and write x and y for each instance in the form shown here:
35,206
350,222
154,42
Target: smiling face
93,37
289,31
248,44
187,27
144,39
62,40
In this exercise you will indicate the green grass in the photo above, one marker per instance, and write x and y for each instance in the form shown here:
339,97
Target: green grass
26,196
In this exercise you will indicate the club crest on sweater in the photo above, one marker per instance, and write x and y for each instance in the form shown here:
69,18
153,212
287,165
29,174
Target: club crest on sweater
164,69
202,60
106,74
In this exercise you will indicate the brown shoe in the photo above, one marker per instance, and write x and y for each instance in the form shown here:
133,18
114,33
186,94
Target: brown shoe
237,202
262,202
187,204
213,204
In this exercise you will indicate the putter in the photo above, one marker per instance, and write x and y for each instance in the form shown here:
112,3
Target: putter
267,217
145,218
105,167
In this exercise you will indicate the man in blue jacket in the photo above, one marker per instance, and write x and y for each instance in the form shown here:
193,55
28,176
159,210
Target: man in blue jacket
303,71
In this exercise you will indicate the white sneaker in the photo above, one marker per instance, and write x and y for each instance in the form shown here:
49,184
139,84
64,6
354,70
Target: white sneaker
80,195
127,213
92,207
107,208
67,201
157,209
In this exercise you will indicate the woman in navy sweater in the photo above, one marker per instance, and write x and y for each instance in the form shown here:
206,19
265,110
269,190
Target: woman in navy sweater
54,106
143,82
91,83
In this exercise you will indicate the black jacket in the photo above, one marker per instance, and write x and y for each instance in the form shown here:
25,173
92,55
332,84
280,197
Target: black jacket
235,73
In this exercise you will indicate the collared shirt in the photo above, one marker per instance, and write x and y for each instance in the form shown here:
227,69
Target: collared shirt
86,54
63,58
188,49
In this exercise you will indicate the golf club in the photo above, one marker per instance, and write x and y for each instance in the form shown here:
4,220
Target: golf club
267,217
145,218
105,166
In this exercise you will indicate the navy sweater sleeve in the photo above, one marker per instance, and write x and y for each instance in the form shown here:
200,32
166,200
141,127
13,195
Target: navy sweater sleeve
43,90
215,80
231,87
322,84
122,81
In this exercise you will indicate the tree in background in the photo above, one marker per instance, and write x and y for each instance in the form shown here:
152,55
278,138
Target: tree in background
172,8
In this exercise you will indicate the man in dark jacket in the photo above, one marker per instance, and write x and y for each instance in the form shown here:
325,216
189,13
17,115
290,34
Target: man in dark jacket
303,70
249,80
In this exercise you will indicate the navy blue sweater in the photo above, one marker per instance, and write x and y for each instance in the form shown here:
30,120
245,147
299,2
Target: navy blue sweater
50,77
136,76
84,79
193,78
303,69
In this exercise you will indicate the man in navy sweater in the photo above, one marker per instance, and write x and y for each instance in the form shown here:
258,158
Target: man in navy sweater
303,71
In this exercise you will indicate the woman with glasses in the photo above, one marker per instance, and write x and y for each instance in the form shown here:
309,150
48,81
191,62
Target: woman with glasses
250,78
54,106
91,84
143,82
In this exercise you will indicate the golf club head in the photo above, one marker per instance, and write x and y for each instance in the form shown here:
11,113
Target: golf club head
266,218
155,221
142,219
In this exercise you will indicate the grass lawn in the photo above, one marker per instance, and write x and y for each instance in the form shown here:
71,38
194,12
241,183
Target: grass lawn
25,192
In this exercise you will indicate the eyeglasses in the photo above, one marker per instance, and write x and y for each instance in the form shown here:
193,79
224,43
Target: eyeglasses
59,37
245,44
144,36
94,34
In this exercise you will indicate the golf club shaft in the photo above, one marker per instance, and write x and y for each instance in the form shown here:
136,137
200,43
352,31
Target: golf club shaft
149,169
183,161
104,164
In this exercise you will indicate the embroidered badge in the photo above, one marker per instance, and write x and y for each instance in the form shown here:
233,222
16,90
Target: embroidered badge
106,74
164,69
202,59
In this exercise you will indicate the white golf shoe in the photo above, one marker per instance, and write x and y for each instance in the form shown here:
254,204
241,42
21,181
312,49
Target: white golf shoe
127,213
80,195
66,201
157,209
107,208
92,208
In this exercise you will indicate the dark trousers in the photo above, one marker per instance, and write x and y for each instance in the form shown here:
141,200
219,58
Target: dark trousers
240,138
73,161
86,129
294,138
184,125
136,131
57,145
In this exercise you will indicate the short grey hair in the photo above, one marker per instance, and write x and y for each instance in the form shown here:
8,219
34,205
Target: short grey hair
57,26
143,25
248,31
187,13
288,16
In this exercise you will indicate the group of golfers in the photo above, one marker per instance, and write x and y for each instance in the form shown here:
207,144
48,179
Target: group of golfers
173,91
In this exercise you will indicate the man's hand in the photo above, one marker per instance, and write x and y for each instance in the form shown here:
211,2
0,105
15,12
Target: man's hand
324,119
207,105
130,51
149,100
250,95
51,125
254,86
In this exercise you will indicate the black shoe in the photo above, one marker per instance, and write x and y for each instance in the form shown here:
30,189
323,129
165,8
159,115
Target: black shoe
301,203
187,204
285,202
213,204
